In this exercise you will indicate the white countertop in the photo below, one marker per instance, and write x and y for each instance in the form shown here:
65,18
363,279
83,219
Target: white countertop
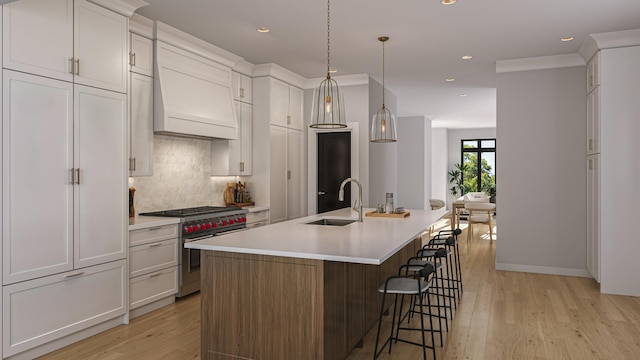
142,222
371,242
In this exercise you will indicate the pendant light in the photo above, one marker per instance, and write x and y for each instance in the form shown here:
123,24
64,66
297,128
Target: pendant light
327,111
383,126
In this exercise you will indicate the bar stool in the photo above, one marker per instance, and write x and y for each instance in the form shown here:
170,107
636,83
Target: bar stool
415,285
435,257
449,239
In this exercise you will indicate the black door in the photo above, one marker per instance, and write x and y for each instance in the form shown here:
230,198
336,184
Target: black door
334,165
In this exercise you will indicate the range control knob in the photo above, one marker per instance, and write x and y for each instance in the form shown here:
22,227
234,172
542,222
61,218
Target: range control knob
214,225
224,222
232,221
207,226
196,228
190,229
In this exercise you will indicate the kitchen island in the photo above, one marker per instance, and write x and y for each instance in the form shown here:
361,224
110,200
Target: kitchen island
293,290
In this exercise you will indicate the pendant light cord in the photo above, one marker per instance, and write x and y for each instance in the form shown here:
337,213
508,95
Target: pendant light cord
328,39
383,74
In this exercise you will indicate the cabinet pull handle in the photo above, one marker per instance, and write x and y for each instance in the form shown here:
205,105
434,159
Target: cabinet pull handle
241,92
72,179
241,166
78,67
154,245
132,59
288,119
74,275
590,80
78,176
288,174
134,164
155,228
590,164
154,275
71,70
590,144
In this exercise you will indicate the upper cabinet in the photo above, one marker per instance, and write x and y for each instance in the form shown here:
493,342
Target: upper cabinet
141,55
593,72
242,87
62,39
141,125
286,105
233,157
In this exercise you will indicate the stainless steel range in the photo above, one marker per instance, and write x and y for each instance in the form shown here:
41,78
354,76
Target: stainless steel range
199,223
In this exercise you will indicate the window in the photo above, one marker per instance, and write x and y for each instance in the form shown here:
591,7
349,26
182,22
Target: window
479,162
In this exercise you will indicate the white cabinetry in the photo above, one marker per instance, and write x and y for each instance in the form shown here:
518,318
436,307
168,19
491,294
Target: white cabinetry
242,87
593,121
593,216
286,105
286,156
256,218
64,181
141,55
233,157
593,72
72,41
38,311
141,117
153,267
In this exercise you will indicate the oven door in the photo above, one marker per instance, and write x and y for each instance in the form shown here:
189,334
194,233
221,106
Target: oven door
191,264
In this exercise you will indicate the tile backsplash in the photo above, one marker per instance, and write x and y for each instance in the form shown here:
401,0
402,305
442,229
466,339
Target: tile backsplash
181,168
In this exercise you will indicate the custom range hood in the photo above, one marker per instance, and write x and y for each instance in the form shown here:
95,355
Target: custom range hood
192,91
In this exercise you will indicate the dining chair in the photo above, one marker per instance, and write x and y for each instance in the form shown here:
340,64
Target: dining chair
480,213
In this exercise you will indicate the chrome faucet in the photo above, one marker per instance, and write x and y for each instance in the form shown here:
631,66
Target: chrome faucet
357,206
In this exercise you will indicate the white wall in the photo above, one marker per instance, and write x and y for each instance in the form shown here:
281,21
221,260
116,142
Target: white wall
541,171
414,162
455,154
439,164
383,157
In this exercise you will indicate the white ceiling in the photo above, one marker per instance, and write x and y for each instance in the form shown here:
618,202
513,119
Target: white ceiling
427,41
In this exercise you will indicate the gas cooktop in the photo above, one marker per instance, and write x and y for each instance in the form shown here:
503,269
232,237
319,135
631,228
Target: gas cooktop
198,210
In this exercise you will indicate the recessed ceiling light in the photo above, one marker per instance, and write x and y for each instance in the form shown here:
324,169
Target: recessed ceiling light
447,2
467,57
566,38
450,79
463,95
263,29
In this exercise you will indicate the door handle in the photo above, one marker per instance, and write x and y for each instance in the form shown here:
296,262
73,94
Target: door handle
321,193
78,67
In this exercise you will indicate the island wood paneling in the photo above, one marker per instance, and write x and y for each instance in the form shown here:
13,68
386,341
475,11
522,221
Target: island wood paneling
261,307
269,307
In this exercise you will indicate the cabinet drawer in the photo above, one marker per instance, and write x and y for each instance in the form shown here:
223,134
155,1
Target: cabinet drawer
152,234
45,309
146,289
147,258
258,216
257,224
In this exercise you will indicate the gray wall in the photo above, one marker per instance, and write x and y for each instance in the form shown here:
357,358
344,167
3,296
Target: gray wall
414,162
541,127
439,164
383,157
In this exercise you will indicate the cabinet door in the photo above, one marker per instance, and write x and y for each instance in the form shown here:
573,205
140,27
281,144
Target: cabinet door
246,134
38,37
593,72
100,197
593,216
295,153
37,196
141,118
278,174
279,103
295,108
100,47
38,311
593,122
247,89
236,85
235,146
141,55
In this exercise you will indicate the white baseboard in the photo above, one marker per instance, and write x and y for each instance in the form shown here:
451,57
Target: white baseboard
543,270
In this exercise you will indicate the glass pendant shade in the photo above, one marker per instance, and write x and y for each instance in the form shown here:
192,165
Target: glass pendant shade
383,128
327,111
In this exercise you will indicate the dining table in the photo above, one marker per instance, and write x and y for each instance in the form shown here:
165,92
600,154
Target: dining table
458,205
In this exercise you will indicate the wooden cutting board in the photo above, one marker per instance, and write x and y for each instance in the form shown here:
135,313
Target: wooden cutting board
375,214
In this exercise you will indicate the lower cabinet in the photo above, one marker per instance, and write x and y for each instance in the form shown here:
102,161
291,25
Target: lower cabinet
154,257
45,309
257,218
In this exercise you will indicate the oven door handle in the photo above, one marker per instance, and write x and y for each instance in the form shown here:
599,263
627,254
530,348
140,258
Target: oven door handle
198,238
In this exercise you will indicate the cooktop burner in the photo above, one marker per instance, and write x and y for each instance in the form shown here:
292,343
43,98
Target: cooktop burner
199,210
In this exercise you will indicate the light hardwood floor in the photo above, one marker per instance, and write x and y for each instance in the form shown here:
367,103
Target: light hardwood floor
501,315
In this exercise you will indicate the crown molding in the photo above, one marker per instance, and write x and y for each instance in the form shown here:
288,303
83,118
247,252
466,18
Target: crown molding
142,26
540,63
123,7
609,40
342,80
244,67
280,73
190,43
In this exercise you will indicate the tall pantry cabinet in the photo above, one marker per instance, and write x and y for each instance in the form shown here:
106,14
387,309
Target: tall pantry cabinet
64,172
278,108
613,168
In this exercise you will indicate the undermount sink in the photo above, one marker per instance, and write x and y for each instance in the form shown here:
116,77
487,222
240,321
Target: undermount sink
331,222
